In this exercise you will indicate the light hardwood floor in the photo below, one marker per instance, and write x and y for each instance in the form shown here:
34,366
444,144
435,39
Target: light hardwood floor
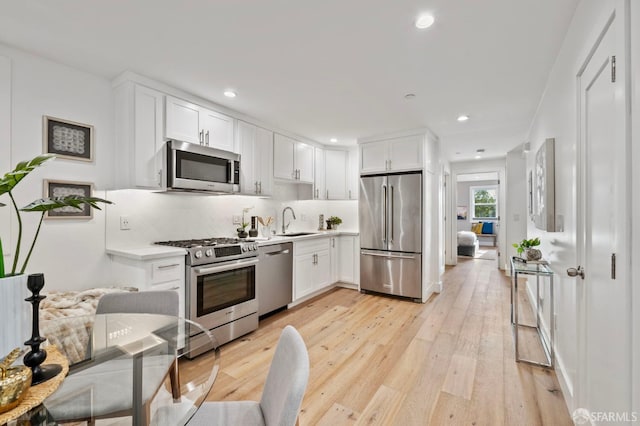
379,360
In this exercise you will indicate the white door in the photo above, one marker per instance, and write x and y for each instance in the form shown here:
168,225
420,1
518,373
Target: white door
247,147
182,121
217,130
147,137
373,157
263,162
336,175
406,153
604,323
304,162
283,167
319,181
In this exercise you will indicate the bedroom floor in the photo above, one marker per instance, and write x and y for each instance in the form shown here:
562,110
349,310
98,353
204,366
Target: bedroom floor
484,253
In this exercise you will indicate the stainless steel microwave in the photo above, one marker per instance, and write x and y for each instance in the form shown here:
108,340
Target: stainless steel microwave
192,167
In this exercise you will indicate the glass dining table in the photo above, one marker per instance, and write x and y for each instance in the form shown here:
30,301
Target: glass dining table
128,369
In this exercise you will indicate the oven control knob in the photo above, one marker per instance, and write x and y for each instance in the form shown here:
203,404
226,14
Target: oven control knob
244,248
208,253
198,254
254,247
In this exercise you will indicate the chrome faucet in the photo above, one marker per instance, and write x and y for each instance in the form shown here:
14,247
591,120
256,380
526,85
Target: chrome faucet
284,227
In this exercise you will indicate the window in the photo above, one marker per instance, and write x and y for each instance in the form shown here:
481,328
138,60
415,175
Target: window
484,202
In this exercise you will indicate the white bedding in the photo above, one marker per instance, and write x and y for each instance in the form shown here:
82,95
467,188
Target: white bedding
467,238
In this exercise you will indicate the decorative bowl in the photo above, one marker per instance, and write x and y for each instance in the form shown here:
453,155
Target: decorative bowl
14,383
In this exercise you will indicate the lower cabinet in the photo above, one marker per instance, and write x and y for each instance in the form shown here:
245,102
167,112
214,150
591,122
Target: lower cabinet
348,265
311,266
153,274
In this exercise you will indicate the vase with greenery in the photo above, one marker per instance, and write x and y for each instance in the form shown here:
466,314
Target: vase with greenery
333,222
8,184
527,246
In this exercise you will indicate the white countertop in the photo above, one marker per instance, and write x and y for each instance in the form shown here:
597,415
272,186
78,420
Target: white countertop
153,251
149,252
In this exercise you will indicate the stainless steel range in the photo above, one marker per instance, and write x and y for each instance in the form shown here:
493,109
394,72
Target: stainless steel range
220,287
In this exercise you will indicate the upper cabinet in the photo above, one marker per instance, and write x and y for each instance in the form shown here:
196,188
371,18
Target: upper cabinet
353,175
319,174
189,122
390,155
138,138
292,159
336,174
256,165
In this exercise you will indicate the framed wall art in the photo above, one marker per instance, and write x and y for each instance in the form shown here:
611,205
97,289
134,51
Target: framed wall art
544,212
462,212
67,139
59,188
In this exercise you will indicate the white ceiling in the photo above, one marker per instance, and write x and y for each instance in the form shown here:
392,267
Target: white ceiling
322,69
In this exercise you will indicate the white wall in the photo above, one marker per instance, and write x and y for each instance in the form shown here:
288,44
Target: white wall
69,252
515,221
557,117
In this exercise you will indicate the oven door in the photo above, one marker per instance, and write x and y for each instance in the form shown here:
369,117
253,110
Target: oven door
223,292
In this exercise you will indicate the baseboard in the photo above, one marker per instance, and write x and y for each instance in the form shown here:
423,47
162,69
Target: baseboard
350,286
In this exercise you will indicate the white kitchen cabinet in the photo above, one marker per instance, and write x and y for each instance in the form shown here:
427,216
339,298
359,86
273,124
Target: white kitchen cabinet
153,274
335,255
139,141
353,175
319,175
292,159
311,266
336,174
188,122
391,155
256,155
348,259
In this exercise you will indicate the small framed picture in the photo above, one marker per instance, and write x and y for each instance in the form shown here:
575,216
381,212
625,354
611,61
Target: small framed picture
67,139
60,188
462,212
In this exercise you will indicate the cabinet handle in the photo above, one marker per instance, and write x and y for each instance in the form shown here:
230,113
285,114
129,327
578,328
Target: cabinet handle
256,185
173,265
297,174
333,242
174,288
207,138
201,137
260,187
317,193
349,194
159,177
327,194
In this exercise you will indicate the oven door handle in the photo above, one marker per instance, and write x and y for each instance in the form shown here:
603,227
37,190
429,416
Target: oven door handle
226,267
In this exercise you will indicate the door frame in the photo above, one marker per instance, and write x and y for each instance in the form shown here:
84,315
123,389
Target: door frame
579,397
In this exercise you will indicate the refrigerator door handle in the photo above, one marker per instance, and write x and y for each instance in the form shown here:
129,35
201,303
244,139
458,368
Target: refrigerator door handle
385,203
392,218
391,256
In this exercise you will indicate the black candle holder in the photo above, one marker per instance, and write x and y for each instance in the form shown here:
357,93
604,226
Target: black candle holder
36,356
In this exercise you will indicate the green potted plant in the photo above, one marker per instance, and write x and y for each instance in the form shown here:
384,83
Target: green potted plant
527,246
333,222
13,288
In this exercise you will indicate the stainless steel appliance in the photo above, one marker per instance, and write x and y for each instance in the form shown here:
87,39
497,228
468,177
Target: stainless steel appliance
274,277
390,212
192,167
220,288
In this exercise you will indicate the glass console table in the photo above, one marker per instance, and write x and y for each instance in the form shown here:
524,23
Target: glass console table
538,269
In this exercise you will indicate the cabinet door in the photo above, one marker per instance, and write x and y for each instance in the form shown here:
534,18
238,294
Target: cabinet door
303,280
406,153
336,174
346,262
304,162
319,180
335,256
248,158
283,165
263,161
182,121
353,175
217,130
147,138
322,269
373,157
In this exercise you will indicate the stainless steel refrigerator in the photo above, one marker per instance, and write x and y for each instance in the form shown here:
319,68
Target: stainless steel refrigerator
390,211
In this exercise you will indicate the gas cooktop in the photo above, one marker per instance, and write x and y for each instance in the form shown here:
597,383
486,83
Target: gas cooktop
212,250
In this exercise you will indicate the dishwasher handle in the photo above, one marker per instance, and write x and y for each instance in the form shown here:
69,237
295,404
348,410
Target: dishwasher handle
276,253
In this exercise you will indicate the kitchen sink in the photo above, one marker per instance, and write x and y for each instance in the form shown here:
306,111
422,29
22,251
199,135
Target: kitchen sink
296,234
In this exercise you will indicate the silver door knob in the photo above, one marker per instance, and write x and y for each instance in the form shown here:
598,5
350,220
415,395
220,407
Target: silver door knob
574,272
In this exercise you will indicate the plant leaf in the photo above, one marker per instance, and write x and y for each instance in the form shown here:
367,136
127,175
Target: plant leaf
75,201
23,168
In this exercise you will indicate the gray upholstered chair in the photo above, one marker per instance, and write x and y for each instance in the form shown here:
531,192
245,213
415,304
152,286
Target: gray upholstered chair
146,302
281,397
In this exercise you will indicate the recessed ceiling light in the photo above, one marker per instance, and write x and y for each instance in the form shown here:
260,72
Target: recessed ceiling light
477,157
424,21
410,96
333,140
463,117
230,94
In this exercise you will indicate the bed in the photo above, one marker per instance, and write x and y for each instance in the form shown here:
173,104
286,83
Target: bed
467,243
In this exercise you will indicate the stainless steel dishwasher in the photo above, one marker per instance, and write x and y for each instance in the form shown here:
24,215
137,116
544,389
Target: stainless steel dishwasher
274,277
